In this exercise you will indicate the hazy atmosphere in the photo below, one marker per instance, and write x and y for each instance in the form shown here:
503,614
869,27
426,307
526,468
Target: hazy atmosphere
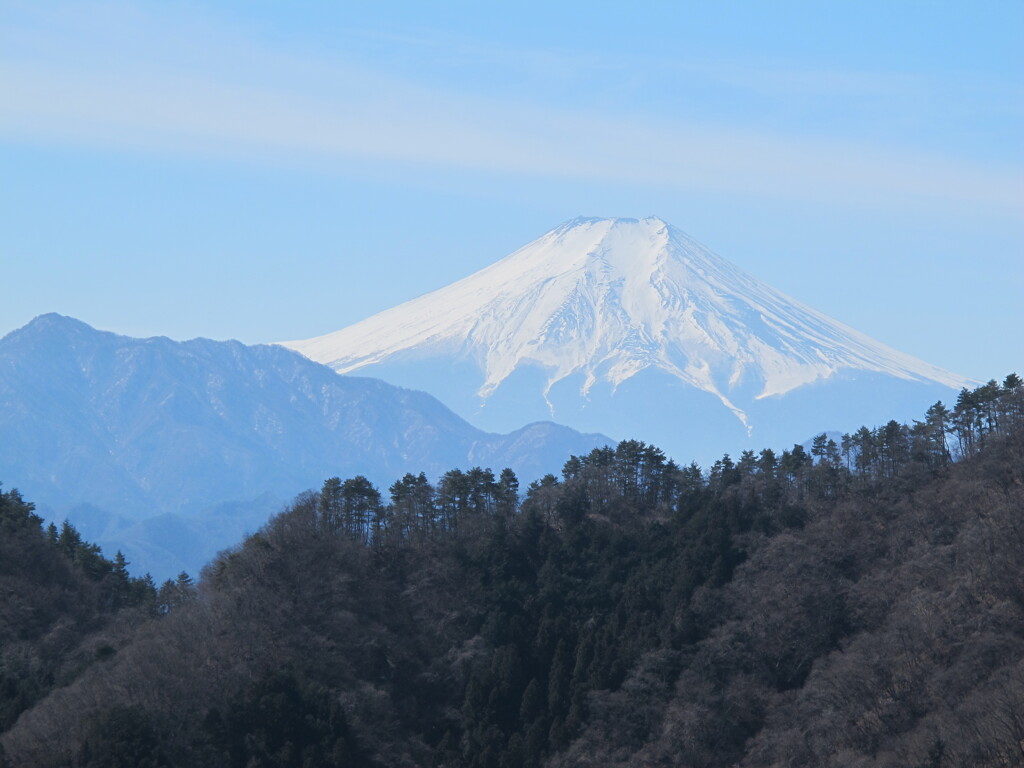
265,172
572,385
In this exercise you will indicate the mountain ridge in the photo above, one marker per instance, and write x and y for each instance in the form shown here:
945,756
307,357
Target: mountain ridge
145,428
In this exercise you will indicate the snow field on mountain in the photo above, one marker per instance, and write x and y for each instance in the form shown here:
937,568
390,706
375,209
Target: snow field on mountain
609,298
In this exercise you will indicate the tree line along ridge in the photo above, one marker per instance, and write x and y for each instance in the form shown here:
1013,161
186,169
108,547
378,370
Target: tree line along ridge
860,601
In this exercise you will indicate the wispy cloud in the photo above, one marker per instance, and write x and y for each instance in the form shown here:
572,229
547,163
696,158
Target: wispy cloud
125,82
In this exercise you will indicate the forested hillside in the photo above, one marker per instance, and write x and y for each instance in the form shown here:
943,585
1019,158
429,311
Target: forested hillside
61,604
860,603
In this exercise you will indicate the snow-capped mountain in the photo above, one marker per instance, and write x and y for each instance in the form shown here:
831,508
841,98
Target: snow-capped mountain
585,319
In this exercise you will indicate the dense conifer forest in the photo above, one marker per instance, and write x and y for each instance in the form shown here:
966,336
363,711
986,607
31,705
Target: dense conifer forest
857,603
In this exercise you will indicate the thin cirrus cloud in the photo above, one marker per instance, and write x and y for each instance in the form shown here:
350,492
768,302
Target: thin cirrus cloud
266,106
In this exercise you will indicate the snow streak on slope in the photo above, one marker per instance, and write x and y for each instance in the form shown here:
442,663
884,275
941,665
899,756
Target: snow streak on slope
608,298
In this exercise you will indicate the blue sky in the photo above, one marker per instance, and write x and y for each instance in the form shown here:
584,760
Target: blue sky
267,171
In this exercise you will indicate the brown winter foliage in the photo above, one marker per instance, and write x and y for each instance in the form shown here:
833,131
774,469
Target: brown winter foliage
858,604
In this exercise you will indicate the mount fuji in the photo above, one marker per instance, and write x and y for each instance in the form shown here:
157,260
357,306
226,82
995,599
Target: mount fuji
632,328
